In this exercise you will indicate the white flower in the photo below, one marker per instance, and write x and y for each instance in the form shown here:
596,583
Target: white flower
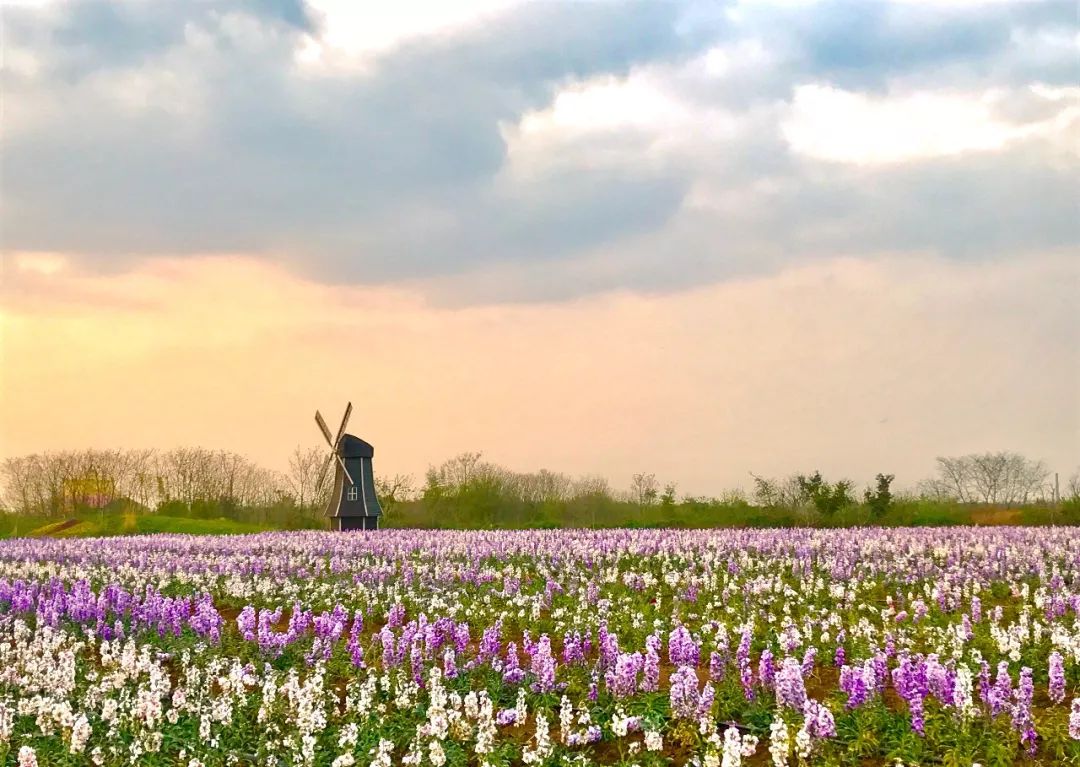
654,741
80,733
349,734
382,754
779,742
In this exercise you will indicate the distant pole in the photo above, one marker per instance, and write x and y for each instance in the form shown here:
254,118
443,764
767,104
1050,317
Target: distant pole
1057,489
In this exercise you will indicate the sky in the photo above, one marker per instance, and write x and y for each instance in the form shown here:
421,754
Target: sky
698,239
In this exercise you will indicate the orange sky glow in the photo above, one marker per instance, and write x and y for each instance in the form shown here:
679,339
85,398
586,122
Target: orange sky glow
841,365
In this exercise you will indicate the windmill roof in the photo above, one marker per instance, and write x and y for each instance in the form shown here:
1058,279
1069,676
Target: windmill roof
354,447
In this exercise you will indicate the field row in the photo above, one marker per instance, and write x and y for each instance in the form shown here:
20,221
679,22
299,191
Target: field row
954,646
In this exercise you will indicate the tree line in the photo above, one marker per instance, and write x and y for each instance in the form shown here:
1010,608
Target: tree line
467,491
60,482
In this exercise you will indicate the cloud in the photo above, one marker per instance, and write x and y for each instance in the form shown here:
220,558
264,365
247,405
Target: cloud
222,143
537,151
831,124
866,45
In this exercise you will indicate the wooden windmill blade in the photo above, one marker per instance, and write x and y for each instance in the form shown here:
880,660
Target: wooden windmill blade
344,423
334,443
322,472
340,460
325,430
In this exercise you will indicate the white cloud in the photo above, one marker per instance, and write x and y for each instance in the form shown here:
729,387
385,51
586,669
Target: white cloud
353,32
832,124
608,103
631,121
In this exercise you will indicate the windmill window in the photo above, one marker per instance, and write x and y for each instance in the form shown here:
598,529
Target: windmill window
351,494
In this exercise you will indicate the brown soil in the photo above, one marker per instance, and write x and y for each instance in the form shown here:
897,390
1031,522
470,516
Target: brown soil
994,517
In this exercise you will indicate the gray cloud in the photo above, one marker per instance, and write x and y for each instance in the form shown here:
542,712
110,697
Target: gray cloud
864,45
92,35
395,173
276,160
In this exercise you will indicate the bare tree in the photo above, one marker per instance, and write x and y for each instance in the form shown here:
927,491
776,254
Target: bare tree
955,478
591,486
997,478
394,490
457,473
644,489
540,487
305,471
1073,485
784,494
140,480
19,484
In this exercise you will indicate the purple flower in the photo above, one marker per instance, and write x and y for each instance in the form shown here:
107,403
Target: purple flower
1022,720
416,662
685,700
396,616
790,687
246,624
766,668
716,666
650,681
542,665
573,649
461,637
940,681
1057,677
853,681
705,704
622,680
742,658
909,678
819,720
386,637
512,671
609,648
1074,720
490,644
682,649
1001,691
984,683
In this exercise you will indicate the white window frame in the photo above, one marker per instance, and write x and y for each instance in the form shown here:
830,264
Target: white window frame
352,493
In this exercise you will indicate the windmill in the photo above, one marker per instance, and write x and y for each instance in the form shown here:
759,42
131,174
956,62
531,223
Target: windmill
353,504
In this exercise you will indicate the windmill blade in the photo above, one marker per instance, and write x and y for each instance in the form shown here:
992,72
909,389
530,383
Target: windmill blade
325,430
322,472
344,422
348,476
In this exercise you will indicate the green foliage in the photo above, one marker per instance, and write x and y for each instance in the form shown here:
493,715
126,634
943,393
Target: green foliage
826,499
879,499
485,507
466,492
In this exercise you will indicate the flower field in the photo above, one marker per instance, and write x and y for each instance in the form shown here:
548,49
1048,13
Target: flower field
955,646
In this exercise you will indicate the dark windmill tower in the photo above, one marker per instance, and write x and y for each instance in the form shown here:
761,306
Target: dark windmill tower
353,504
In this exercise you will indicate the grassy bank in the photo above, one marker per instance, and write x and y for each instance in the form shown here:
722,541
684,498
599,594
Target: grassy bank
469,512
95,524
